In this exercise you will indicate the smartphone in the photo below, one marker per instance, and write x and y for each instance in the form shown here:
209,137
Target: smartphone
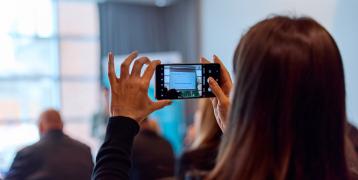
185,81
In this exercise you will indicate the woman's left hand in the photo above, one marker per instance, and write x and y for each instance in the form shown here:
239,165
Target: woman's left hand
221,101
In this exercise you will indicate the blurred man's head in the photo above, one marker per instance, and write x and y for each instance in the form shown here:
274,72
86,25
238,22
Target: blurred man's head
50,120
151,125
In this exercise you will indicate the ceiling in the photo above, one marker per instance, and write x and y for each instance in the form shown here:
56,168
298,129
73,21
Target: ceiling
159,3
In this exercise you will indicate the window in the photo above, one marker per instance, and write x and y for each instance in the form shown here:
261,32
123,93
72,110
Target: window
49,57
28,60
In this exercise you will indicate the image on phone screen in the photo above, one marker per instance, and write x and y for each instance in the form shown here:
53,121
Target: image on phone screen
183,81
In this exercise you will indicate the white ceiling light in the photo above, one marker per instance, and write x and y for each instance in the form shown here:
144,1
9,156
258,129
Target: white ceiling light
161,3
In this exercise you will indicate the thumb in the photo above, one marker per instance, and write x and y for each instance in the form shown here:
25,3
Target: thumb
217,91
160,104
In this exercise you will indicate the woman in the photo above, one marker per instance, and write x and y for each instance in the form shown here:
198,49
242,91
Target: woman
201,157
287,113
288,109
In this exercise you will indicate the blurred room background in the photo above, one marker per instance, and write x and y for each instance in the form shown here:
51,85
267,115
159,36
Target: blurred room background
53,55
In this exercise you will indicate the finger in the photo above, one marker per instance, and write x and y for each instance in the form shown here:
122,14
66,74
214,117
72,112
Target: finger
204,61
150,71
111,69
138,65
216,89
214,101
126,64
225,77
160,104
217,59
225,73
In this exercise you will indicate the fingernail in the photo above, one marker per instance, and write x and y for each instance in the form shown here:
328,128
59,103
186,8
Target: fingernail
210,79
135,52
147,61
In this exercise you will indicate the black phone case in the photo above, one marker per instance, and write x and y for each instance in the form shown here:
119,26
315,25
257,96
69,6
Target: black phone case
159,73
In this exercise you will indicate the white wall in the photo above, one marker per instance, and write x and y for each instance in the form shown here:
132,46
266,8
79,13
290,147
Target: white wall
223,22
78,27
345,31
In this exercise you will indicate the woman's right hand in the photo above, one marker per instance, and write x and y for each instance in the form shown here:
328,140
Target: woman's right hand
129,92
221,102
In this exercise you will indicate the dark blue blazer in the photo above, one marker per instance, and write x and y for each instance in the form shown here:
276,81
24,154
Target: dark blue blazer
55,156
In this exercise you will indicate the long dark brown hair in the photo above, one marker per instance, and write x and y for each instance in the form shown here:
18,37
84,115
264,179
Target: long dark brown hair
288,108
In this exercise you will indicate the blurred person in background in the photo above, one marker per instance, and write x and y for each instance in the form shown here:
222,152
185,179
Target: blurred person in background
55,156
100,118
201,156
153,156
190,135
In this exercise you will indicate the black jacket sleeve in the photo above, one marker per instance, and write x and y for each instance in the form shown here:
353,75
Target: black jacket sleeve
113,158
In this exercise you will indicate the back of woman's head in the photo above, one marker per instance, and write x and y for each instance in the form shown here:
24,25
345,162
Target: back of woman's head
288,109
208,132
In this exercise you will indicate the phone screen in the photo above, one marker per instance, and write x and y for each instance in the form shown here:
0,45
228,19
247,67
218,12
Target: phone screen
184,81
